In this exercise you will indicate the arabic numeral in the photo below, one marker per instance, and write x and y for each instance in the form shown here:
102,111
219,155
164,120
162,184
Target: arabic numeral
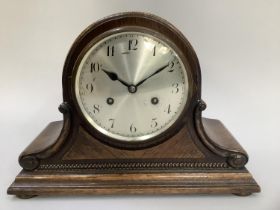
132,44
90,87
132,128
175,88
96,108
94,67
154,51
110,50
112,121
168,109
154,123
171,65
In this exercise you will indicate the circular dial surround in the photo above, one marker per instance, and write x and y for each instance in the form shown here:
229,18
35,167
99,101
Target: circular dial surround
131,86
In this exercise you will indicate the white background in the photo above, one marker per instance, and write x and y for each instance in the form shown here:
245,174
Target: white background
237,43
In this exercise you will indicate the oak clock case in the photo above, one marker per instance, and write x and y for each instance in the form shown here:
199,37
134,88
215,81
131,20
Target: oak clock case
132,120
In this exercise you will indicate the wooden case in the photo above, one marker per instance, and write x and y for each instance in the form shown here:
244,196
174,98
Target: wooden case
197,155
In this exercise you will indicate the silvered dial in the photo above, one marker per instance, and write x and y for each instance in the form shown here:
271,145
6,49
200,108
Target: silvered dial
131,86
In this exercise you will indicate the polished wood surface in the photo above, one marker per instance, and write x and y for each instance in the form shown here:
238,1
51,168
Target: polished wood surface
195,155
141,183
183,179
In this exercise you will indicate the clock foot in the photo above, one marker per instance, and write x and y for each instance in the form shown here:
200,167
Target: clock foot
25,196
242,194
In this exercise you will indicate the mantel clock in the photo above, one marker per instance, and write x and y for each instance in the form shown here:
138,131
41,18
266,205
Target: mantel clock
132,120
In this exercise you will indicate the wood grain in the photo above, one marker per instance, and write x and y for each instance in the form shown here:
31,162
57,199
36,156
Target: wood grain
194,155
146,183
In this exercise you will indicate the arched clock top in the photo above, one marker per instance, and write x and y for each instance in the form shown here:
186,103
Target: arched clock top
132,21
133,25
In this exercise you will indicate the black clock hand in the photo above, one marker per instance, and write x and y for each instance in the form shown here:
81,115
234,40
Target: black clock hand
113,76
156,72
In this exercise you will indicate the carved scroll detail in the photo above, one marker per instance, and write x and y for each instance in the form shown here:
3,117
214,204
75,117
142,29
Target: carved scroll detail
46,145
235,156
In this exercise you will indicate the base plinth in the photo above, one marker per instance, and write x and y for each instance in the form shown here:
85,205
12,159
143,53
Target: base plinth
28,184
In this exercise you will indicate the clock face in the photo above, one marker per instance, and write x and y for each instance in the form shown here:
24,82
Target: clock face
131,86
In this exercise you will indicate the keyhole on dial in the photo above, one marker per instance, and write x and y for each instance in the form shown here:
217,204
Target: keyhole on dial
154,100
110,101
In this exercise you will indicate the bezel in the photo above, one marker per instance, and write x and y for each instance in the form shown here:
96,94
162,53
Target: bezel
147,24
78,69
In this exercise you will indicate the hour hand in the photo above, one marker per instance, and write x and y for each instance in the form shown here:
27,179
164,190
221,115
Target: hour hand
113,76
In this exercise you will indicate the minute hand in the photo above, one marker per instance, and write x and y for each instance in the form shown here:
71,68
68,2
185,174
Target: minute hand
156,72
